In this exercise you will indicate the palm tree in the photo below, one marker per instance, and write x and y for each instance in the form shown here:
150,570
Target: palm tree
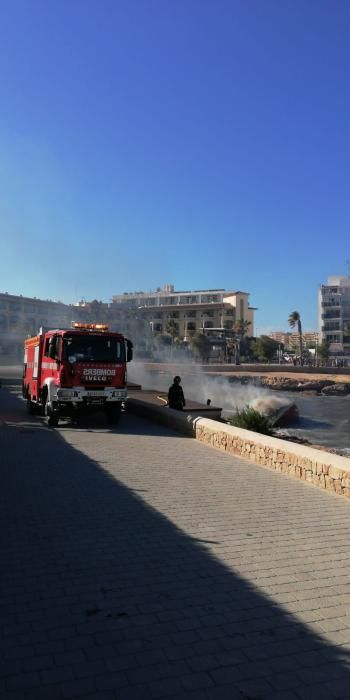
241,329
294,319
172,329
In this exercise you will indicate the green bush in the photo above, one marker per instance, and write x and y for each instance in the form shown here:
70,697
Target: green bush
250,419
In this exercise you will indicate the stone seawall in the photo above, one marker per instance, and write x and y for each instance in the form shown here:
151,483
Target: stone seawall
321,468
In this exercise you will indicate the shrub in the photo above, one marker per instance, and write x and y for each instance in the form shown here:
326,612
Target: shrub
250,419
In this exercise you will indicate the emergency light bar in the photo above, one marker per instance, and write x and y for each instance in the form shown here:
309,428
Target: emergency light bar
90,326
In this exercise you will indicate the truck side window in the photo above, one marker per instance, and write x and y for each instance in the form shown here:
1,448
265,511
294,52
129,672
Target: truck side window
46,350
58,347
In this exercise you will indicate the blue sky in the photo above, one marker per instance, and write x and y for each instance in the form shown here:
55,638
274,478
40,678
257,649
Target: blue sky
199,143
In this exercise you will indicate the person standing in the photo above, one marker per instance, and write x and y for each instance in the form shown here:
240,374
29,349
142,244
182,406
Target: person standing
176,397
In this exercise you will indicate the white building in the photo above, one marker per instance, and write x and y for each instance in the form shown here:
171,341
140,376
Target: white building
334,314
192,311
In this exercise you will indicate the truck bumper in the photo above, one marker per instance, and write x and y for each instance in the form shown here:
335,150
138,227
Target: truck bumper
82,396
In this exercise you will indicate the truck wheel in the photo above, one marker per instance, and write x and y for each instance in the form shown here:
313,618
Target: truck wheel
30,407
52,418
113,415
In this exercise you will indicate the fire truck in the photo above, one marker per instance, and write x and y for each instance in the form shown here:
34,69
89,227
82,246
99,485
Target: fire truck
68,372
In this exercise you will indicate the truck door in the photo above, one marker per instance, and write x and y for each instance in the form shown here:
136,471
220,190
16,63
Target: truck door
36,362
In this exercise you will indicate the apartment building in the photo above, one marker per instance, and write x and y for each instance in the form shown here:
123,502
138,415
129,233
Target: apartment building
32,313
290,341
190,311
22,316
136,314
280,337
334,314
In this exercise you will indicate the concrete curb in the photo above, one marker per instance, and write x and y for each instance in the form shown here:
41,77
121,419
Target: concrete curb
180,421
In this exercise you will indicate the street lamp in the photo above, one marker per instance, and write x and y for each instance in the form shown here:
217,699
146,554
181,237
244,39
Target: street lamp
185,328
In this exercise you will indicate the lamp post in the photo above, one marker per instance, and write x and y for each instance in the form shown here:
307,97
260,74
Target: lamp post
150,345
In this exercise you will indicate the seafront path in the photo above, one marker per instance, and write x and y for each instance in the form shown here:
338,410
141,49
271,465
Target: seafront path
138,563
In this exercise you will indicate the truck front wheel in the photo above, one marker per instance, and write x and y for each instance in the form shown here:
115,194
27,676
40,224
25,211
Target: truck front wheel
113,414
52,421
30,406
50,415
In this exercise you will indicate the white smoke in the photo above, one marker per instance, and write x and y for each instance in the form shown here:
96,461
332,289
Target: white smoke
198,386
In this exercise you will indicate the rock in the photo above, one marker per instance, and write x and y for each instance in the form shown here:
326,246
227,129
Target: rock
285,415
336,390
290,384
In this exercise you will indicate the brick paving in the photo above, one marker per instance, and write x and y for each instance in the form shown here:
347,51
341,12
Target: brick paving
139,564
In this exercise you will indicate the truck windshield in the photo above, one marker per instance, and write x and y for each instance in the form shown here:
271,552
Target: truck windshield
92,348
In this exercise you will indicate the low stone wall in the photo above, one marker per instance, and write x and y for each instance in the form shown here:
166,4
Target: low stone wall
323,469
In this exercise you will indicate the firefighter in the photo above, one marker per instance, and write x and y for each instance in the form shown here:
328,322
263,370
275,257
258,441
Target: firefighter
176,397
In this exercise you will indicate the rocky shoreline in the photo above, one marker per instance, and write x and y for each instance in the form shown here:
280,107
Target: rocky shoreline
324,387
303,441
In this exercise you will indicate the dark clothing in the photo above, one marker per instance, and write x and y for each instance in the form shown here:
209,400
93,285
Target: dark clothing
176,397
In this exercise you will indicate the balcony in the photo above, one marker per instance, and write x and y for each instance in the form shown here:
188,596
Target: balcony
330,328
330,315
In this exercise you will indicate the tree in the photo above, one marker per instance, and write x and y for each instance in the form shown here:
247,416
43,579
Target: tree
323,350
294,319
265,348
97,312
172,329
200,345
163,339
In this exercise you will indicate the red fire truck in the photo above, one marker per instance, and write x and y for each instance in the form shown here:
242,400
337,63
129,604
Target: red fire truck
69,371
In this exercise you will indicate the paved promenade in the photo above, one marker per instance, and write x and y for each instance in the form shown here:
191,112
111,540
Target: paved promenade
135,565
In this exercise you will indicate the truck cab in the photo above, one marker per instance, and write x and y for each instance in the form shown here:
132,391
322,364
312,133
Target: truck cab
68,372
